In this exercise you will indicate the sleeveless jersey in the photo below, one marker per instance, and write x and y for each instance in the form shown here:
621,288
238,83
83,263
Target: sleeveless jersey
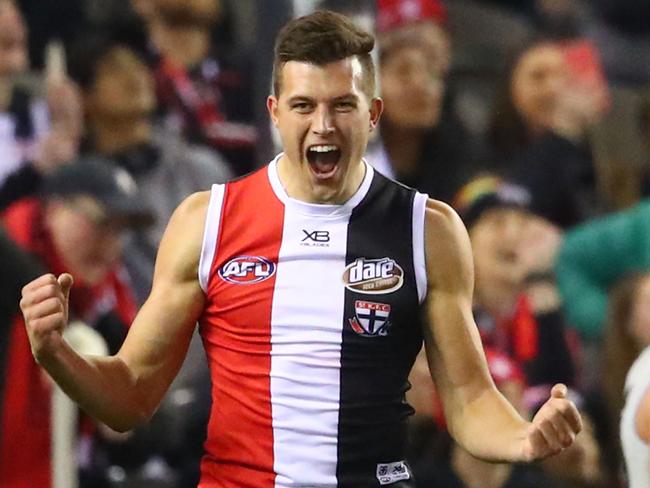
635,450
311,326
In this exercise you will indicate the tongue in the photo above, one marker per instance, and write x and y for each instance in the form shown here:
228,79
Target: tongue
324,162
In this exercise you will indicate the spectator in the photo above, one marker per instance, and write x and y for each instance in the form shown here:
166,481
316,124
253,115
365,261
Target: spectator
517,306
538,132
203,94
77,224
43,131
593,257
119,103
422,143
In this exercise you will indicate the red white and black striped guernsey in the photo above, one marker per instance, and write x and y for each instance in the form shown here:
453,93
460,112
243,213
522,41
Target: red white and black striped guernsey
311,326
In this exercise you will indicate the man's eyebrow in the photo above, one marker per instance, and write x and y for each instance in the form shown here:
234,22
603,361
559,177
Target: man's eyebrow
346,98
299,98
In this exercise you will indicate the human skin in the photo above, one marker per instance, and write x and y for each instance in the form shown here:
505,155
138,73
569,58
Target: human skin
124,390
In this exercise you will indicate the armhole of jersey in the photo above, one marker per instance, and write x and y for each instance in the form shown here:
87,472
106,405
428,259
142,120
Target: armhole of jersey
210,234
419,263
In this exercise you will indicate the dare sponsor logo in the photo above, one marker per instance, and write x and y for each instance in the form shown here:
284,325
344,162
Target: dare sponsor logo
371,319
246,270
373,276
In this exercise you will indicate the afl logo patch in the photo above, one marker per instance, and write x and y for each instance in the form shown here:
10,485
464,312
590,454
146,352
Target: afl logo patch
246,270
373,276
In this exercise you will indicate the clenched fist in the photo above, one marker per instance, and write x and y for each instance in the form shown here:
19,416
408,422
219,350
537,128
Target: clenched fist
44,305
554,427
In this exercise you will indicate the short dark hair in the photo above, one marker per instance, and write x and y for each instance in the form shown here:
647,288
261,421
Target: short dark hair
320,38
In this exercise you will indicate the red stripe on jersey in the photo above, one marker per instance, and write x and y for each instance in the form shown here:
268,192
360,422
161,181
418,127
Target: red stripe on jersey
236,331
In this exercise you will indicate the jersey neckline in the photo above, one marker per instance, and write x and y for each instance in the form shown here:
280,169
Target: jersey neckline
319,209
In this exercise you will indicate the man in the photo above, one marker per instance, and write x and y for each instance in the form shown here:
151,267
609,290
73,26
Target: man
76,225
45,131
423,143
516,303
202,90
307,308
120,99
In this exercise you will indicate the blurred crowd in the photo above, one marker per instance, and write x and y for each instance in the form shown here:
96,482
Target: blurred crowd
530,117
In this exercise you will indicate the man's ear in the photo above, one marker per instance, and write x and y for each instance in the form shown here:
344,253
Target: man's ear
272,107
376,109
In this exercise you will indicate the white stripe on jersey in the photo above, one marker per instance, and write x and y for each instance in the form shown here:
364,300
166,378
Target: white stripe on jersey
306,335
212,222
419,261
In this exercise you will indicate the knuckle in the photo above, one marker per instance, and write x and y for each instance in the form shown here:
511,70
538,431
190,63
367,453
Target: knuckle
50,290
33,324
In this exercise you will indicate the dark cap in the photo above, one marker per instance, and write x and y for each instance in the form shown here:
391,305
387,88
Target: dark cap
486,192
109,185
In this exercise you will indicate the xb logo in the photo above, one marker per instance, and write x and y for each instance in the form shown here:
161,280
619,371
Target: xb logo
316,236
315,239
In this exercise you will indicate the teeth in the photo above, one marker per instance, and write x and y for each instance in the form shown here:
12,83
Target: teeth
323,148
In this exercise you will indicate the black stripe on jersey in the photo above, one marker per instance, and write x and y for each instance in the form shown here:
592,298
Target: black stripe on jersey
374,368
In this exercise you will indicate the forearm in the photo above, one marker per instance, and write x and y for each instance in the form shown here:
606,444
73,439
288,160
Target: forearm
489,427
104,387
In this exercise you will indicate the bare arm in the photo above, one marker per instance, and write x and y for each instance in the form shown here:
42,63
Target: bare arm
124,390
478,416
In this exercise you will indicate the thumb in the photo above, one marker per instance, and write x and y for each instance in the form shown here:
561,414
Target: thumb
559,391
65,281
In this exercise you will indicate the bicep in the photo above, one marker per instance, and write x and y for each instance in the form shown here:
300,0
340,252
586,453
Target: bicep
160,334
453,344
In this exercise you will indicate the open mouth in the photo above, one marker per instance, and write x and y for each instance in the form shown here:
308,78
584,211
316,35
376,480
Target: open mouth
323,159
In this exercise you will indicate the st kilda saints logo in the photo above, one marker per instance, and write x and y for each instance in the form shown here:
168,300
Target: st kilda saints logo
373,276
371,319
246,270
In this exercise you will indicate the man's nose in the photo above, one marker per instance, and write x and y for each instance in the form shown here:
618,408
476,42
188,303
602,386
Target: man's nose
323,122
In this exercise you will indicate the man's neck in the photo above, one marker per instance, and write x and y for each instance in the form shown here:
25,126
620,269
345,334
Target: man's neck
110,137
476,473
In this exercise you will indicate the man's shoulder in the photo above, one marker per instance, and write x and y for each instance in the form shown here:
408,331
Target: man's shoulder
194,205
441,216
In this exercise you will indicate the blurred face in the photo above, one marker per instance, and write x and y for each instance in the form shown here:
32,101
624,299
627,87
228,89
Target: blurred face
324,120
89,245
539,78
123,87
640,319
412,88
13,40
496,242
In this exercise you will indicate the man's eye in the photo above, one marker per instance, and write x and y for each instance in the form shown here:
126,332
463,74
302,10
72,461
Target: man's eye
345,106
301,107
